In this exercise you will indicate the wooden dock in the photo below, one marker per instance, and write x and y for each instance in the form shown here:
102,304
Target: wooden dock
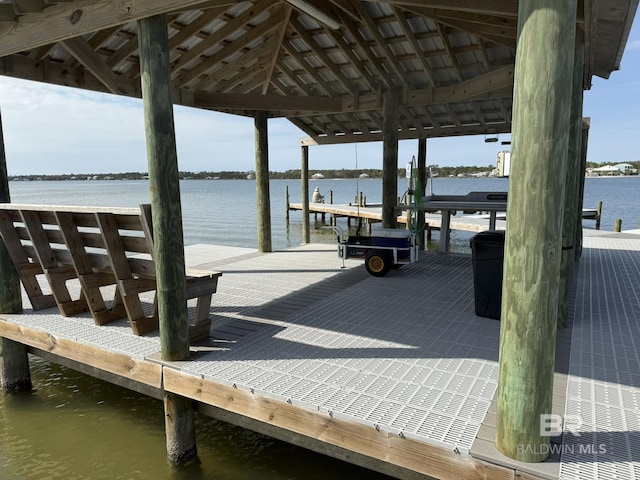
373,214
396,374
477,222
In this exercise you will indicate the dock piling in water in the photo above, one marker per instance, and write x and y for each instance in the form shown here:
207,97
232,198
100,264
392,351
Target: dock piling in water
617,225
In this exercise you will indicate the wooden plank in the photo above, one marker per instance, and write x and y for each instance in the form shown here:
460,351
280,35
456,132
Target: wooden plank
129,287
81,17
88,211
26,264
141,371
56,274
83,266
362,439
80,49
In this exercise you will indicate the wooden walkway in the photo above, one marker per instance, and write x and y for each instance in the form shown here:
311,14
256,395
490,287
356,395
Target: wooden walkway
396,374
470,223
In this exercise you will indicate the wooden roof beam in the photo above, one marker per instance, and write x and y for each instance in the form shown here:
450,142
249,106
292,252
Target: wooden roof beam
413,41
80,17
507,8
22,7
499,30
491,85
353,30
20,66
324,58
277,50
343,138
80,49
382,43
242,21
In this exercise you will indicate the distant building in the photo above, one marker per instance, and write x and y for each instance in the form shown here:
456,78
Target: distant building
626,169
606,170
503,164
317,176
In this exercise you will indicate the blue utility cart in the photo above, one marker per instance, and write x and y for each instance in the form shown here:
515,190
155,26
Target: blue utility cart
384,249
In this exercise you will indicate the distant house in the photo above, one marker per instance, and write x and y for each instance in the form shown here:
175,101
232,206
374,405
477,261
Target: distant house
606,170
626,169
317,176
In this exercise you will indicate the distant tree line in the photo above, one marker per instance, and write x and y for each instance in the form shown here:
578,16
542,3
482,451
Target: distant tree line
436,170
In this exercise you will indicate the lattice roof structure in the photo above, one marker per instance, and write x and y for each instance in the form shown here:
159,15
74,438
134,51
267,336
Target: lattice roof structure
324,65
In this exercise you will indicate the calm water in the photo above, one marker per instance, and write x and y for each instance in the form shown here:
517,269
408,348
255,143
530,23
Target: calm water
75,427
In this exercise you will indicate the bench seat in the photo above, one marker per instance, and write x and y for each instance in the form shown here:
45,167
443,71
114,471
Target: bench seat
108,250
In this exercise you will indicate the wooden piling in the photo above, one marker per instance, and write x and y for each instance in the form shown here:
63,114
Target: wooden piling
10,293
262,182
617,225
583,168
286,201
304,188
541,114
422,184
391,105
167,225
599,215
572,188
14,361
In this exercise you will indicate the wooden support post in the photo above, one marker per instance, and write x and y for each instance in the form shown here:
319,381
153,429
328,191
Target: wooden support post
286,199
422,185
164,184
599,215
391,106
333,217
180,428
10,292
14,361
583,169
617,225
541,113
572,184
262,182
304,189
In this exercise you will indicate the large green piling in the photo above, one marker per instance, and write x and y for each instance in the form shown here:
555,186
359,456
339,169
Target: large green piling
540,135
572,205
164,184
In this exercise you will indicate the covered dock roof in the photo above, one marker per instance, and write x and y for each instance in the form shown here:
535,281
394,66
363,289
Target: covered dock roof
324,65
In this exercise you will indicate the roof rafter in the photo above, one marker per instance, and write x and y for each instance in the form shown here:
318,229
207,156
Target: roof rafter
80,17
80,49
477,88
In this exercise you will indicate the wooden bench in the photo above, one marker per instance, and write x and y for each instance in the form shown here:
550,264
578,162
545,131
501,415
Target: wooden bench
104,249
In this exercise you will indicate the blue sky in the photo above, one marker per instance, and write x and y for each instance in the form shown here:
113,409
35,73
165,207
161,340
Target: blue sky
52,130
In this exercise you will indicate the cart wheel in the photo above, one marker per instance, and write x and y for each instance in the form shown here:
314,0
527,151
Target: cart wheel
378,263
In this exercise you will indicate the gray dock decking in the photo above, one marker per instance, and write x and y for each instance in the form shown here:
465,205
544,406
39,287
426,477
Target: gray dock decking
405,354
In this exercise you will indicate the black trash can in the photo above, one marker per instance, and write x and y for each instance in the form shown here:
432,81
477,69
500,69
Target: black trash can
487,254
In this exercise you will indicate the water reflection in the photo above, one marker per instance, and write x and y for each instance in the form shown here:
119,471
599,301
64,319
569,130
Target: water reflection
72,426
